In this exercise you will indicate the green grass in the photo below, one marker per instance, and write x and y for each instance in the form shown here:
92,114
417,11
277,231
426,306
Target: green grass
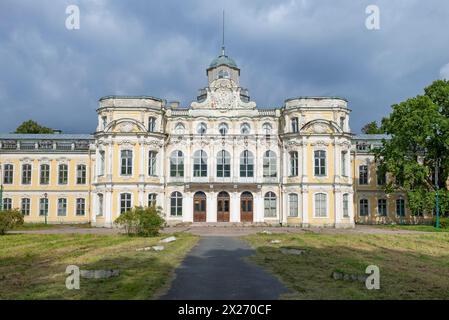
33,266
412,266
43,226
423,228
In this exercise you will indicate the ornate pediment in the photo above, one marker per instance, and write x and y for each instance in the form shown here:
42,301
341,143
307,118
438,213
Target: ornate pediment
320,126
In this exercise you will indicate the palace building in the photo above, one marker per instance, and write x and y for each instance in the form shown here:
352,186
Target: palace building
222,159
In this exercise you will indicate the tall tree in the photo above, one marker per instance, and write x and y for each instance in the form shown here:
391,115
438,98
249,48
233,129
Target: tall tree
372,128
417,154
30,126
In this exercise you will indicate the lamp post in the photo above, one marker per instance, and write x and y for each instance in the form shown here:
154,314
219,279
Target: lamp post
46,206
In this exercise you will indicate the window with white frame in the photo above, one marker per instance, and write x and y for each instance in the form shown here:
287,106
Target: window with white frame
179,128
292,205
125,202
7,204
344,155
200,164
295,125
63,174
151,124
382,207
363,174
320,205
223,129
267,128
245,129
202,129
246,164
177,164
176,204
269,164
126,161
345,205
26,173
320,162
270,205
44,174
363,207
25,206
62,207
104,122
100,205
81,174
80,206
400,207
43,206
8,174
342,123
223,164
152,159
101,163
293,164
152,200
223,74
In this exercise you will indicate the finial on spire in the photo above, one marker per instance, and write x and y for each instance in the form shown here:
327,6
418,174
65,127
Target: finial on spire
223,39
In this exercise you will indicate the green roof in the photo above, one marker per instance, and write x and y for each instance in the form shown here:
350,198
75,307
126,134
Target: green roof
223,60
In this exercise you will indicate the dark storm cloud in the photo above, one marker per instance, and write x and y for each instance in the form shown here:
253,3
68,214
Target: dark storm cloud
162,48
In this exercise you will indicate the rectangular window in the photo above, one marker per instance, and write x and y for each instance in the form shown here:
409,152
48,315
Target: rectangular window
26,206
381,177
126,162
345,205
62,207
363,174
151,124
45,174
342,123
295,125
320,205
104,122
101,163
364,208
80,207
43,206
125,202
320,162
152,163
400,207
26,174
382,207
343,164
7,204
63,173
100,205
81,174
294,164
8,174
293,205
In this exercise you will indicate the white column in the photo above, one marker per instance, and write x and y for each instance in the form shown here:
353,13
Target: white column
258,207
235,207
187,207
108,207
305,206
304,161
142,162
338,207
211,207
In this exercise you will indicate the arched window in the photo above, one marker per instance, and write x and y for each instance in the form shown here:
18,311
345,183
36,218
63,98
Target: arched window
223,74
320,162
245,128
363,208
223,164
246,164
179,128
152,163
151,124
223,129
201,129
200,164
152,200
270,204
346,205
176,204
294,164
177,164
292,205
320,205
269,164
266,128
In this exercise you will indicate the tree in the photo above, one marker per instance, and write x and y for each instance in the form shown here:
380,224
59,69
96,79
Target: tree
30,127
10,219
418,151
141,221
372,128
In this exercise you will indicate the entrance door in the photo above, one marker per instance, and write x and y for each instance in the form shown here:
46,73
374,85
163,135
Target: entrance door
199,207
223,201
246,207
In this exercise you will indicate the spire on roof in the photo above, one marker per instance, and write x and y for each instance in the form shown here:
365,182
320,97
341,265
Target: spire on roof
223,38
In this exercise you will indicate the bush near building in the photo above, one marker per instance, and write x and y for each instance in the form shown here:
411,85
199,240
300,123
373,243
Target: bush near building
10,219
141,221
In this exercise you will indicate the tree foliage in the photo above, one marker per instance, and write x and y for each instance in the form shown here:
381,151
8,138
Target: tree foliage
372,128
419,147
10,219
32,127
141,221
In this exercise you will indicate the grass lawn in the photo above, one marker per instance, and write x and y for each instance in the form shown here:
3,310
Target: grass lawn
33,266
43,226
424,228
412,266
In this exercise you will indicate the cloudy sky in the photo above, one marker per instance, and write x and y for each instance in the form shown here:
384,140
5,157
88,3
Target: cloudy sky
162,48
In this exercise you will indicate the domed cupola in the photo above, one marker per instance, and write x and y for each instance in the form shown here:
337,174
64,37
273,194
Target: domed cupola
223,60
223,67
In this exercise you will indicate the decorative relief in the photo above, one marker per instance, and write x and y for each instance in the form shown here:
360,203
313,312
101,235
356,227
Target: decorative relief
126,127
320,143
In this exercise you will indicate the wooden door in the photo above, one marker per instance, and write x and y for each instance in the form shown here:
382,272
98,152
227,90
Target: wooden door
199,207
246,207
223,202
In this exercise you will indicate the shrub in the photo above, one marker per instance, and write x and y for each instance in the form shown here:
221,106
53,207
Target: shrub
10,219
141,221
444,222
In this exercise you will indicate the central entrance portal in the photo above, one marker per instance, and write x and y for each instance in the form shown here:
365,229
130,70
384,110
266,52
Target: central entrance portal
199,207
246,207
223,200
